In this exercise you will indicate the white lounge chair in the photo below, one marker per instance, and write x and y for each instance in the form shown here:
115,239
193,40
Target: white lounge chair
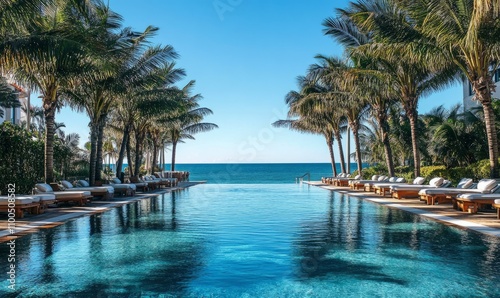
442,194
106,192
78,197
411,190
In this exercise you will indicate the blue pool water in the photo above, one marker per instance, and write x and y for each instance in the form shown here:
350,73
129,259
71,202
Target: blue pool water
255,241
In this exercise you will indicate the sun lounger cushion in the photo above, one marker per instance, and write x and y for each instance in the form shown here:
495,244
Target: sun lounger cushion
375,177
66,184
419,180
116,180
20,200
392,179
465,183
486,185
83,183
400,180
436,181
478,196
44,187
43,197
357,177
381,178
72,194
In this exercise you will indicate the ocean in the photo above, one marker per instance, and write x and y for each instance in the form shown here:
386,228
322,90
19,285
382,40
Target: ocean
257,173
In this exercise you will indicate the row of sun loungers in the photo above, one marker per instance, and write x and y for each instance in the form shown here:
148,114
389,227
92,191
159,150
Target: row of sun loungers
78,193
467,196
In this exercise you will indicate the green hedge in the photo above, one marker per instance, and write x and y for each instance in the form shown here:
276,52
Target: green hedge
22,161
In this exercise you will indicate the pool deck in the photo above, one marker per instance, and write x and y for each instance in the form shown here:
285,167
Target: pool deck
58,216
483,222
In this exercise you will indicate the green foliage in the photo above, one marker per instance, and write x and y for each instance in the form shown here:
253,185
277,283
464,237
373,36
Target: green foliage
481,169
22,159
376,169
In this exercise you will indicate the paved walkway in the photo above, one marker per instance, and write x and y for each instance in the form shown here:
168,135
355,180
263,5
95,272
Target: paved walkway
483,222
58,216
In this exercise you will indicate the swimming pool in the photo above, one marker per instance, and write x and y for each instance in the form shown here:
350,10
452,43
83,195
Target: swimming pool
255,241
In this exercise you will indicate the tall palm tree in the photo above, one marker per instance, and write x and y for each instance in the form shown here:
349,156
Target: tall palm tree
47,54
316,123
465,33
374,88
388,24
344,94
186,121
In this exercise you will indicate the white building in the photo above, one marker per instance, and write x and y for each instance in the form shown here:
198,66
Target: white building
469,93
15,115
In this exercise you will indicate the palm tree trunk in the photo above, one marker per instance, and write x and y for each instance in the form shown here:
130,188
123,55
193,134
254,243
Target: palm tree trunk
483,94
329,142
121,154
412,116
384,129
129,159
93,152
49,107
355,130
99,153
139,139
155,157
174,148
341,151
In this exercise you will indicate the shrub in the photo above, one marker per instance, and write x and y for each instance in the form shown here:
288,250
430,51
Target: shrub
22,159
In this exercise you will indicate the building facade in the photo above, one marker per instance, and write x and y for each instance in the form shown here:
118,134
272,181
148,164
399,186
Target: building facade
469,102
15,115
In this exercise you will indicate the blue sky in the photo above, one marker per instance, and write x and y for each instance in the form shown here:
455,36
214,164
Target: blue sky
245,56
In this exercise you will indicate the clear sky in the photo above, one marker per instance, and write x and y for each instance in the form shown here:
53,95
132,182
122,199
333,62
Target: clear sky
245,56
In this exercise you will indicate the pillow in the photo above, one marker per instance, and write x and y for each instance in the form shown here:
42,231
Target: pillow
486,185
83,183
419,180
44,187
357,177
66,184
400,180
375,177
436,181
464,183
381,178
116,180
392,179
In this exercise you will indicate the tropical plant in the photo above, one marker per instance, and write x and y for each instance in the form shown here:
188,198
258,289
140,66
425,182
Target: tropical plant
186,121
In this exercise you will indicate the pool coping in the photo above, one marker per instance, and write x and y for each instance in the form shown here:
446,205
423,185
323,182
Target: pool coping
469,223
58,216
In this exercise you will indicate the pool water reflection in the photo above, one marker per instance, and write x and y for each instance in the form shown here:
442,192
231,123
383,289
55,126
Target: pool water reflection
257,241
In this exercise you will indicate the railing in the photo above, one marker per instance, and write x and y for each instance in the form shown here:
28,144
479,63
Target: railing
301,178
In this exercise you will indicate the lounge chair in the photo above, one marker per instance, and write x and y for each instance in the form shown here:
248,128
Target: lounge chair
106,192
360,184
496,205
383,188
20,204
173,181
139,184
476,199
122,188
411,190
327,180
168,182
369,185
345,181
78,197
440,195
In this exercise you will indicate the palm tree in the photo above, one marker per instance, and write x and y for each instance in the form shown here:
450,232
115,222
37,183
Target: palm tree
310,122
388,25
186,121
465,33
46,55
374,88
